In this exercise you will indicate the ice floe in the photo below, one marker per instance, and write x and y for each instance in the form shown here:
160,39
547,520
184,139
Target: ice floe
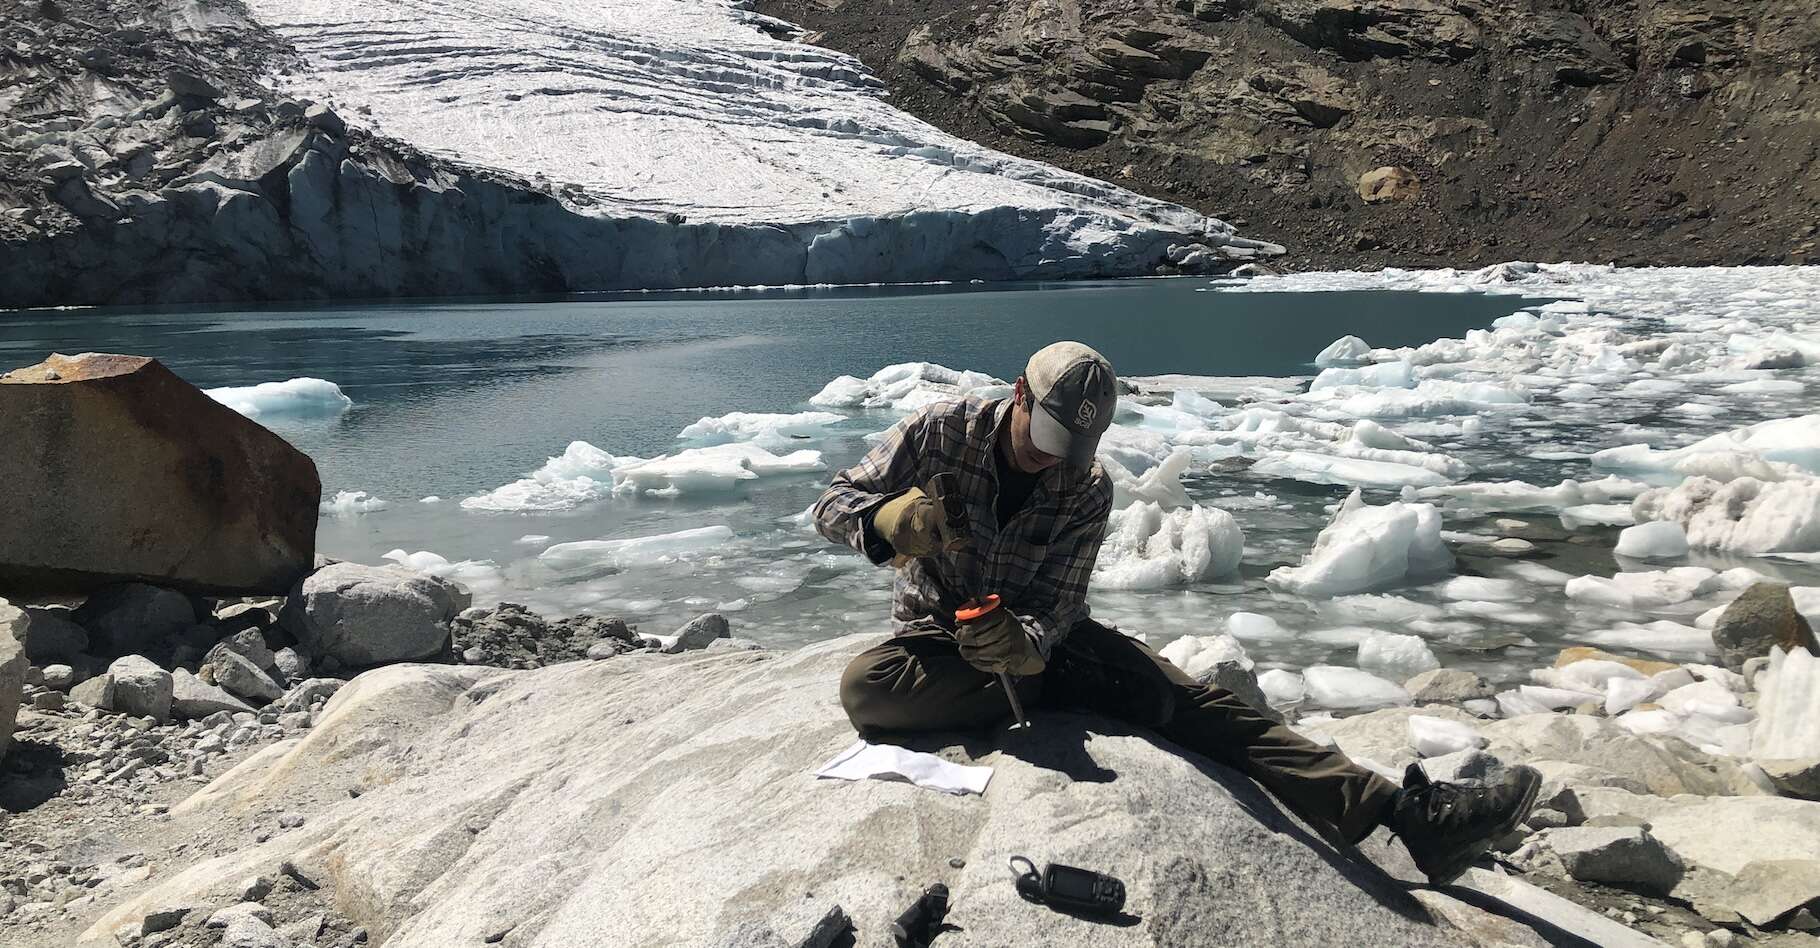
1745,515
634,552
293,399
1365,548
348,503
907,386
1146,548
770,430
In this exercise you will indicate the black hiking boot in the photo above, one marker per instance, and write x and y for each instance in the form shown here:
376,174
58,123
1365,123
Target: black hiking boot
1446,826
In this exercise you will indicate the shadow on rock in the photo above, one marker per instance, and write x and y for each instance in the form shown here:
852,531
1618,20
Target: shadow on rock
35,775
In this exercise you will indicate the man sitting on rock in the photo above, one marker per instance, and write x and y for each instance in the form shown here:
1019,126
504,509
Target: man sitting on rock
1036,510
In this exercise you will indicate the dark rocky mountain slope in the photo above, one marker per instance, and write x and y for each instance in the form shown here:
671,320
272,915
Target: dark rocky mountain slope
1634,131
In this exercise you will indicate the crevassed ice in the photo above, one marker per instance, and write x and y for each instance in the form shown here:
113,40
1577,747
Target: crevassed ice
295,398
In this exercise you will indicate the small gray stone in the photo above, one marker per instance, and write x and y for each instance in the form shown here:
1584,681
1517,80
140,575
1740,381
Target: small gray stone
290,819
163,919
245,909
1798,777
141,687
244,679
48,701
59,677
1762,617
193,698
1766,890
1448,686
290,664
247,931
606,648
306,693
248,644
700,631
323,117
1625,856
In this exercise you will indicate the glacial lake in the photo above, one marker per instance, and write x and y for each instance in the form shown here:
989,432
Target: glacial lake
456,398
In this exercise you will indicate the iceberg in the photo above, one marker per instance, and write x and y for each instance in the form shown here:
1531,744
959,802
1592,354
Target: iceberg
1401,657
1341,688
1197,655
1344,350
907,386
581,473
1365,548
1745,515
633,552
296,398
711,469
1657,540
348,503
1788,707
1146,548
770,430
1789,445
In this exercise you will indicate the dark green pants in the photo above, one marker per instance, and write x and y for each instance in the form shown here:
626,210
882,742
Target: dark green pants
917,681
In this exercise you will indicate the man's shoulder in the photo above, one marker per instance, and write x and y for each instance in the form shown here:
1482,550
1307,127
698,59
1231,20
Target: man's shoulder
1095,487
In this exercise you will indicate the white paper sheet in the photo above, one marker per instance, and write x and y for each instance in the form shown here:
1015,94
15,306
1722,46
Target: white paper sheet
865,760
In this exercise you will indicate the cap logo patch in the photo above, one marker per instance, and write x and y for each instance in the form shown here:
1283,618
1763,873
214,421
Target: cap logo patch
1083,416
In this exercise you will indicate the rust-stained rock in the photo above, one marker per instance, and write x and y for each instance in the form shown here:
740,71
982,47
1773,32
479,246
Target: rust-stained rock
1389,183
117,470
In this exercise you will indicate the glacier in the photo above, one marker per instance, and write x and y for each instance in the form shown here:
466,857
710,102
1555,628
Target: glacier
782,158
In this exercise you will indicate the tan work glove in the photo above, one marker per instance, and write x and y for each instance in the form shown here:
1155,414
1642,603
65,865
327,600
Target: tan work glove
912,524
996,642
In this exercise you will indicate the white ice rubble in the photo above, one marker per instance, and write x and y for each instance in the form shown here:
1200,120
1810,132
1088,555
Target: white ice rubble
297,398
584,473
1365,548
704,111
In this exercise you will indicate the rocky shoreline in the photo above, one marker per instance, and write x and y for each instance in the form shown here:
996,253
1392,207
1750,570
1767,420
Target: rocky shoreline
1637,828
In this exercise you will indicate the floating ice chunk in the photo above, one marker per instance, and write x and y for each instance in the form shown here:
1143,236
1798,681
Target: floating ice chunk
347,503
1649,589
1428,397
1789,706
1745,515
1661,637
1378,608
1708,693
1658,540
766,429
1165,418
1432,736
906,386
1338,687
1161,485
1194,403
1346,349
581,473
1255,627
1326,469
482,577
1366,548
1602,515
1400,657
296,398
533,539
1484,589
1282,689
1556,698
1793,441
1522,497
633,552
1764,387
1197,655
1134,449
1398,374
1623,694
716,468
432,499
1146,548
1590,674
1514,704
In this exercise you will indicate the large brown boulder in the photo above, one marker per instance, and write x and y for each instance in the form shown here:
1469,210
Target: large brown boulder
117,470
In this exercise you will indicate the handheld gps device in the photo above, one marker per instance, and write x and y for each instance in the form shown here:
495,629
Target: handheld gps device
1068,888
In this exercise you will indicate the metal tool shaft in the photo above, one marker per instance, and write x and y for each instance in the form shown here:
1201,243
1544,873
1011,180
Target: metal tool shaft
1017,707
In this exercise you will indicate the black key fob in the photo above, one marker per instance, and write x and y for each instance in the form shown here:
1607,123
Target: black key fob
1068,888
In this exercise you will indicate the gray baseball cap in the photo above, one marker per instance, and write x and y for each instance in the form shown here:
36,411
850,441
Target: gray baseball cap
1076,394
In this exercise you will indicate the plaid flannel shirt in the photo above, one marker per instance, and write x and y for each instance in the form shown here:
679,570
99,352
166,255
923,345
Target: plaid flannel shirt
1038,564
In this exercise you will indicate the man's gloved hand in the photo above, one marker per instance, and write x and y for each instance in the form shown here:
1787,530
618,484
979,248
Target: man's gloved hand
912,524
996,642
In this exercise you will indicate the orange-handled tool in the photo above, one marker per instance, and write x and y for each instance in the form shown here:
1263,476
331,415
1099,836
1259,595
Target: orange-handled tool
978,608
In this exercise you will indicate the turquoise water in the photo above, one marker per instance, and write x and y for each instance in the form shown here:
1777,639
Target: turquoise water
456,398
